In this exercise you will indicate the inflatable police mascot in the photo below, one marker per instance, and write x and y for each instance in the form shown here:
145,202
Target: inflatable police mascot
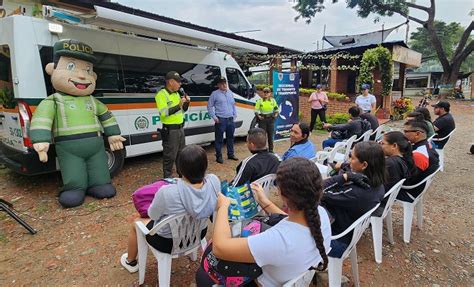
76,120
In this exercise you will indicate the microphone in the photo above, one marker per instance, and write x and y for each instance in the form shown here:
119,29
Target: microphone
181,92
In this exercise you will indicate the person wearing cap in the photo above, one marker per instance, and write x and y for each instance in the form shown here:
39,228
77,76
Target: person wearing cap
74,120
171,108
366,102
318,101
444,124
266,111
221,108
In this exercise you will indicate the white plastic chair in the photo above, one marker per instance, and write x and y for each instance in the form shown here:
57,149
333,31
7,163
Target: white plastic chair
330,154
347,149
185,231
301,281
365,137
377,134
377,221
409,208
441,151
335,264
267,182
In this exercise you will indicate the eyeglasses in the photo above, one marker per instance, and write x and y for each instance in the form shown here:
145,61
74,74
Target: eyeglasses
412,131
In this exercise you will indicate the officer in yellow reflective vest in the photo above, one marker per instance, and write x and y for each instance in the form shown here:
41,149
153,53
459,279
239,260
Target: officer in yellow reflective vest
266,110
171,107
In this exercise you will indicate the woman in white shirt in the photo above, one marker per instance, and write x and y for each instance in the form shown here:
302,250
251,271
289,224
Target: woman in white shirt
366,102
296,243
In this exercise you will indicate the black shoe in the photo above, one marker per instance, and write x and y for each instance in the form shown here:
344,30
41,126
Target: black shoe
219,160
232,157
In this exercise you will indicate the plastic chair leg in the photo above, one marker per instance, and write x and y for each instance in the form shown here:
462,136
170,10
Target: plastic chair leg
408,210
142,256
164,269
388,221
335,271
419,213
441,158
355,267
377,230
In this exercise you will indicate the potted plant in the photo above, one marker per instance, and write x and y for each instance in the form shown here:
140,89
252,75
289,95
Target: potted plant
401,107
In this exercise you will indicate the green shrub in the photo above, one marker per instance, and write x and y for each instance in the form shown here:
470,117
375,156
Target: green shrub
337,118
337,96
308,91
260,87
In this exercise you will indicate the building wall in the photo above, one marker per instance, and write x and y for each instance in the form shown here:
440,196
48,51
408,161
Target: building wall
333,107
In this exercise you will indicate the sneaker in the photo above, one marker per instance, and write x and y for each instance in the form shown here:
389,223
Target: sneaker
132,267
232,157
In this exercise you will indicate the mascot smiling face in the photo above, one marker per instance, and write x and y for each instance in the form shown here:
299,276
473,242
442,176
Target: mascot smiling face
72,68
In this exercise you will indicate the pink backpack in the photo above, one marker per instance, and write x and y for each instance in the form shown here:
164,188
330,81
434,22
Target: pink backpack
143,196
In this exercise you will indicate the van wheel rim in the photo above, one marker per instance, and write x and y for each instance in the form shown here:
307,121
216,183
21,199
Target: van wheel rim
110,158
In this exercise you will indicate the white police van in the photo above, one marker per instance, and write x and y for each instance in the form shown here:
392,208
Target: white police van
130,71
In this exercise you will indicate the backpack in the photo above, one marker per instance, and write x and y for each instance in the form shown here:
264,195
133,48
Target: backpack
365,125
143,196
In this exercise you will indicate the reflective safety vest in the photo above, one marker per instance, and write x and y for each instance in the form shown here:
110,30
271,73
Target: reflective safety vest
266,107
165,101
67,115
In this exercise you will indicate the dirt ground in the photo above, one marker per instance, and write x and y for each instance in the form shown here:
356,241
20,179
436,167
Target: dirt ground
82,246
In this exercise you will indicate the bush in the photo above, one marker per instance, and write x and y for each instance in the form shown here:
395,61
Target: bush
337,118
337,96
260,87
307,91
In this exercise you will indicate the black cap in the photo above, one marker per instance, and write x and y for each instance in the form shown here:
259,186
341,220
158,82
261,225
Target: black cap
221,80
442,104
173,75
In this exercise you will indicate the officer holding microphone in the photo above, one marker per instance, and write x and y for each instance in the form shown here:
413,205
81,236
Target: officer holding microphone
172,102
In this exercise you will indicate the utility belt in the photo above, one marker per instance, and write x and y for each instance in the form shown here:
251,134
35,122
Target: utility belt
267,116
77,136
172,126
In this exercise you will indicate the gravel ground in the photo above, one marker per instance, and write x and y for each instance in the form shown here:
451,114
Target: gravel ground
83,245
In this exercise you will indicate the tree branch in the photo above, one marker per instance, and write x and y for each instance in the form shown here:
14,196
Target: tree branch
465,36
463,55
419,7
389,8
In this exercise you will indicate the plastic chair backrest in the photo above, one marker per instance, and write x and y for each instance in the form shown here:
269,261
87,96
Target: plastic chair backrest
337,149
364,137
442,139
267,182
426,180
392,195
359,226
349,143
301,281
185,231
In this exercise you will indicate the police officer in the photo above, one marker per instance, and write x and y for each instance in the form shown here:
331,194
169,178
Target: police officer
76,120
171,107
266,110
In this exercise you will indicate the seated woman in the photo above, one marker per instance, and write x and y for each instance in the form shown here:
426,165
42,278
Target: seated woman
349,195
300,240
399,158
301,145
195,193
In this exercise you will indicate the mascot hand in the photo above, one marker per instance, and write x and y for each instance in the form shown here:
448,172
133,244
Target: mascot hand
42,150
115,142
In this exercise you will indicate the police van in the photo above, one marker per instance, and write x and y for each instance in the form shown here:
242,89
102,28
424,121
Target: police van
130,68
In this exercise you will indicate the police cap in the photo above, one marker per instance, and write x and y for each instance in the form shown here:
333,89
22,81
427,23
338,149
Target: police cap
74,49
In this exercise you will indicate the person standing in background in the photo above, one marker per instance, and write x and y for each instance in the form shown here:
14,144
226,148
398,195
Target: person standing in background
171,107
221,108
266,110
319,101
366,102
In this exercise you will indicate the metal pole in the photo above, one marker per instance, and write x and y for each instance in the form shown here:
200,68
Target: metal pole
382,31
324,34
408,28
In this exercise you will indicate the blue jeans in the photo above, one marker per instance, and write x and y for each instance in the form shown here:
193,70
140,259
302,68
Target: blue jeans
225,125
330,142
337,248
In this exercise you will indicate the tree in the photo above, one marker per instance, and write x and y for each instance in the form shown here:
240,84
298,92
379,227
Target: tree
449,36
307,9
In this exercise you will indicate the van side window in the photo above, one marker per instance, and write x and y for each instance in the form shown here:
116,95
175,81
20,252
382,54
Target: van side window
237,82
142,75
109,75
46,55
199,80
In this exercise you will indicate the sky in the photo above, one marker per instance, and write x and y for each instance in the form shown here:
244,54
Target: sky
275,19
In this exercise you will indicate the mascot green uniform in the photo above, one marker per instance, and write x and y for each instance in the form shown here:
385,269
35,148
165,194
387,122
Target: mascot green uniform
76,120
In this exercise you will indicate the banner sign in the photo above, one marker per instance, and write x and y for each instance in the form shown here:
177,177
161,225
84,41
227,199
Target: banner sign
286,93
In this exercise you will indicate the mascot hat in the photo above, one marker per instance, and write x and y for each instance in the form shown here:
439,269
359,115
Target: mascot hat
74,49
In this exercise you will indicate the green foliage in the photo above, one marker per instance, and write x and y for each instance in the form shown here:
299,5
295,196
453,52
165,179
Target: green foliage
307,91
449,36
337,118
260,87
380,58
7,98
337,96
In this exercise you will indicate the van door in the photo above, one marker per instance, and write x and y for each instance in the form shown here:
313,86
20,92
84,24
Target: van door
10,126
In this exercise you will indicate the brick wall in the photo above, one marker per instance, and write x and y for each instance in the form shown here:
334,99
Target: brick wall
333,107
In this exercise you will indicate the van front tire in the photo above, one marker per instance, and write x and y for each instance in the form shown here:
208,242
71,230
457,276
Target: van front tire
115,160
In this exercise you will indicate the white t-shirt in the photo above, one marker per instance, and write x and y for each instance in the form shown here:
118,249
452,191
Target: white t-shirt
365,103
287,250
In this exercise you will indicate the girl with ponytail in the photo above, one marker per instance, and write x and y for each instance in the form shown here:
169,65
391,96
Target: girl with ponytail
292,246
399,157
